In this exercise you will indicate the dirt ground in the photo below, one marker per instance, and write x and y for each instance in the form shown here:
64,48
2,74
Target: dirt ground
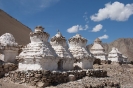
122,74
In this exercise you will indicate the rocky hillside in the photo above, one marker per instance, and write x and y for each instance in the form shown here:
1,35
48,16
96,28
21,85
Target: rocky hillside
124,45
9,24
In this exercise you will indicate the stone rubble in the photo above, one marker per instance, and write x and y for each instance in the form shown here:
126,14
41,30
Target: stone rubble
6,67
42,78
118,76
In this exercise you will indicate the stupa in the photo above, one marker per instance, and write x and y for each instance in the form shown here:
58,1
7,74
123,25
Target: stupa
125,59
115,55
8,48
60,46
38,55
77,46
97,50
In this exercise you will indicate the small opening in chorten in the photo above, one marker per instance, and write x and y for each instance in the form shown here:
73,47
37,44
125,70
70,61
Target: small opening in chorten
60,65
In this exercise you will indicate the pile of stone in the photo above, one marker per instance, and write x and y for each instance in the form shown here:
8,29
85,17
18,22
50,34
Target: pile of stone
97,61
43,78
106,61
6,67
90,82
96,73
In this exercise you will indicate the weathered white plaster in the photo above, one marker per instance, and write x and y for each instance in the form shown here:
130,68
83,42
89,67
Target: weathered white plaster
9,47
77,46
2,57
115,55
124,58
97,50
7,39
38,55
60,46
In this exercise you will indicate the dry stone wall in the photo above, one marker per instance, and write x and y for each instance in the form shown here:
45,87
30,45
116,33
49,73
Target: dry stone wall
6,67
46,78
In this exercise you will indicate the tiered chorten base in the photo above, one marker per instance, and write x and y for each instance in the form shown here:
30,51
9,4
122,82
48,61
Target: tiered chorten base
38,64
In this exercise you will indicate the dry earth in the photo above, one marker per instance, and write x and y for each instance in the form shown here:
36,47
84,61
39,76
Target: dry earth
122,74
8,24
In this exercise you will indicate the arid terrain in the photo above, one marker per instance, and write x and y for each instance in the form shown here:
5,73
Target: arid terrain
8,24
117,74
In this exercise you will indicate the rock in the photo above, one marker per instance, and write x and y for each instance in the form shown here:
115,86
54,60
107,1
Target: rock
10,68
38,75
1,69
6,70
71,77
42,85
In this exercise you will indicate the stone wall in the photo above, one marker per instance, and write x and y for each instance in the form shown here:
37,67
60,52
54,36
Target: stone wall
46,78
6,67
99,62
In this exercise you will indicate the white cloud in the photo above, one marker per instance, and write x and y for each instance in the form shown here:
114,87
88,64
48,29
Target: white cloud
97,28
76,28
115,11
104,37
86,27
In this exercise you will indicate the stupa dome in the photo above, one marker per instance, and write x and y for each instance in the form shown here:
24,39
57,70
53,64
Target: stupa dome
58,39
39,29
78,40
97,40
7,39
39,35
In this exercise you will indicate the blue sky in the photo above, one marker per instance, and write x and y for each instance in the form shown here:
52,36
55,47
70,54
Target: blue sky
106,19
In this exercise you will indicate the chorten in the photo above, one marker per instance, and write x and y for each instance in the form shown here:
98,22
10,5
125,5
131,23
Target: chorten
115,55
8,47
77,46
60,46
38,55
124,58
97,50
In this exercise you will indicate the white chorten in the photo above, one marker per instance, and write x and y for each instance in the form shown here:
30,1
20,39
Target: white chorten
38,55
115,55
9,47
124,58
97,50
60,46
77,46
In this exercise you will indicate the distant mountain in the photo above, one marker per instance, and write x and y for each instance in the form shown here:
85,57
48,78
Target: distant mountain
9,24
124,45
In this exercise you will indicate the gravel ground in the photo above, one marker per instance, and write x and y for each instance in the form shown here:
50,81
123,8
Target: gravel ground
117,74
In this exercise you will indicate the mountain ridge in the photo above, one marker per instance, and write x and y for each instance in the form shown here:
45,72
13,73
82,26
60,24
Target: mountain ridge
124,45
8,24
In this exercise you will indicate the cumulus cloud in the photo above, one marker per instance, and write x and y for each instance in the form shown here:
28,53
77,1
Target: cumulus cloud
76,28
115,11
104,37
97,28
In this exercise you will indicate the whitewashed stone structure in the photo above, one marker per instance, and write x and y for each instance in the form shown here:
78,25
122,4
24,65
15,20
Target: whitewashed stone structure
60,46
9,48
115,55
38,55
124,58
97,50
77,46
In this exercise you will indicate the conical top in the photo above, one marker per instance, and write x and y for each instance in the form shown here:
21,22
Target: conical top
39,29
78,40
58,39
7,39
97,40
